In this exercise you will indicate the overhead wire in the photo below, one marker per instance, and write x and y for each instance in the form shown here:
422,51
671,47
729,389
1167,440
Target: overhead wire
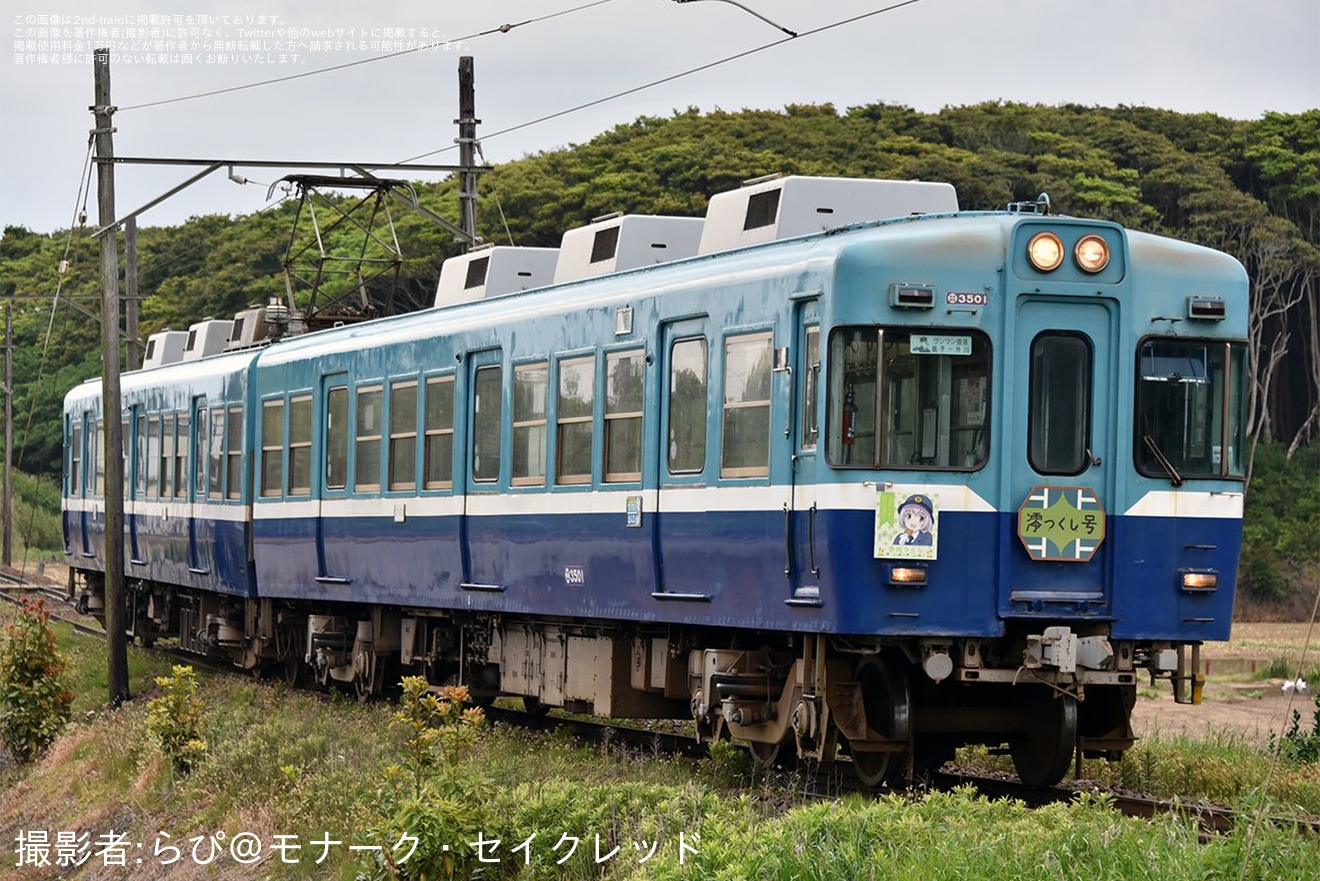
677,76
80,211
499,29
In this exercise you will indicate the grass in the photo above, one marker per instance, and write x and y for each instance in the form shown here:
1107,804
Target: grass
1286,667
303,764
1221,768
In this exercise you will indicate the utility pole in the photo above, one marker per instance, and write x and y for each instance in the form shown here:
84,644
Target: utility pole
467,142
131,294
111,407
8,492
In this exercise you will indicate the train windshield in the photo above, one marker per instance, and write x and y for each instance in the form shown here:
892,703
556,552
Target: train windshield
1190,409
908,398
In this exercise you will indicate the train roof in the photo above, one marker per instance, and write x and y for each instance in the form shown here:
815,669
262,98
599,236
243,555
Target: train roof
196,374
818,249
810,253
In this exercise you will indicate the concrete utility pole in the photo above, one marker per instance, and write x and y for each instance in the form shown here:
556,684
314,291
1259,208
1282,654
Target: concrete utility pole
131,294
467,143
111,407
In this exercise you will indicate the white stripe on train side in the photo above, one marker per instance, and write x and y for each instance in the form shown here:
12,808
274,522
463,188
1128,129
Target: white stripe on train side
1225,505
1181,503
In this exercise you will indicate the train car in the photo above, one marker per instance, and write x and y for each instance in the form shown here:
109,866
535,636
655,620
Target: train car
186,502
865,494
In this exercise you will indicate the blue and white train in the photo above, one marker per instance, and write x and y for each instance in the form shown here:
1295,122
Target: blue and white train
840,472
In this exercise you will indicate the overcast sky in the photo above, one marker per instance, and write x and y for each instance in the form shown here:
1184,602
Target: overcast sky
1237,58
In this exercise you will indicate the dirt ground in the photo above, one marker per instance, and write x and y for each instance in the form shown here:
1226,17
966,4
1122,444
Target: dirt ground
1235,703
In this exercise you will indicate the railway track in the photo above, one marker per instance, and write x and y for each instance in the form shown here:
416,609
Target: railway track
1212,819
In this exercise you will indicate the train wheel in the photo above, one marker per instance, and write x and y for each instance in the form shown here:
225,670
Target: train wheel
367,687
766,754
888,703
532,706
1043,753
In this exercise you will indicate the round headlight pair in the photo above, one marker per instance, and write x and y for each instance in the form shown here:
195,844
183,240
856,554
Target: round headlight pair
1045,250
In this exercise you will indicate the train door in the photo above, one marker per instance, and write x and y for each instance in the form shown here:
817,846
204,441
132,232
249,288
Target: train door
1063,428
135,441
804,428
198,562
79,480
479,528
681,536
333,480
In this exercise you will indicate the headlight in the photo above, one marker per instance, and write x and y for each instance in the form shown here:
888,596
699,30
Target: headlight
1045,251
1091,253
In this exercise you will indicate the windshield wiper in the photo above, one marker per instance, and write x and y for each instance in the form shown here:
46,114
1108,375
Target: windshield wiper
1174,477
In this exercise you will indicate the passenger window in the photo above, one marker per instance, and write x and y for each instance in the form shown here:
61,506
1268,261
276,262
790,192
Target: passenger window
687,406
234,455
439,427
125,444
625,373
529,438
140,458
487,407
576,408
166,456
336,437
811,390
217,461
747,363
75,458
272,447
300,445
97,454
181,458
901,398
403,436
153,457
1060,404
199,453
366,448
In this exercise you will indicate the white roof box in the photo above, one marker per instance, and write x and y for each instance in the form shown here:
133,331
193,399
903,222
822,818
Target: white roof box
784,207
626,241
165,347
209,337
492,271
249,328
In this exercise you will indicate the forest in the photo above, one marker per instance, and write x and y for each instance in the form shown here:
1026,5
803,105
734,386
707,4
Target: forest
1251,188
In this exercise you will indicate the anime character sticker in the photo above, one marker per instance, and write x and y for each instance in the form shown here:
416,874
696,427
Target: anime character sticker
906,526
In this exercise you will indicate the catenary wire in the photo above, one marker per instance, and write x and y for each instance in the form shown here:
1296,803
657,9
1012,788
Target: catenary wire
501,29
677,76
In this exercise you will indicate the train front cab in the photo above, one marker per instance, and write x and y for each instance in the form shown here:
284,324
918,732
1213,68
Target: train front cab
1121,493
1048,466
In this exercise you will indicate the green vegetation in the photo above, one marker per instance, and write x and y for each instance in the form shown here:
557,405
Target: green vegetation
1285,667
37,533
175,719
431,797
1281,528
35,699
314,767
